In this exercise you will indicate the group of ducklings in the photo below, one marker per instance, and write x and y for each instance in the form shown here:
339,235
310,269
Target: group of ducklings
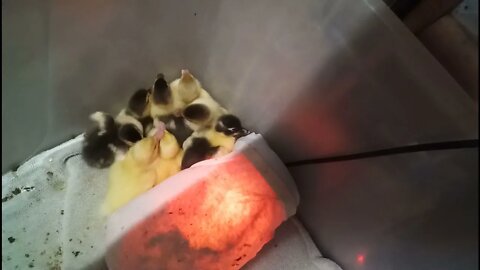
164,129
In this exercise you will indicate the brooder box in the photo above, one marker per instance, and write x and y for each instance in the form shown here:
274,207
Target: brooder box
318,78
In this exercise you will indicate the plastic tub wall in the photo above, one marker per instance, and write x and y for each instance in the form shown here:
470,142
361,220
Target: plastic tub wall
317,77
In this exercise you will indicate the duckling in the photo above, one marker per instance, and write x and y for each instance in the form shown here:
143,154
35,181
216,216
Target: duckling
212,142
147,124
134,174
139,107
177,126
198,149
163,101
146,164
206,144
170,158
111,138
130,129
203,112
139,104
231,125
187,87
171,98
101,145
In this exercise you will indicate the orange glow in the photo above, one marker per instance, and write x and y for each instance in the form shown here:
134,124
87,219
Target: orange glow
219,223
360,258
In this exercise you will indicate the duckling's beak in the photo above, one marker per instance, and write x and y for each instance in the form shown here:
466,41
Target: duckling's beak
186,75
156,147
185,72
238,133
159,134
159,129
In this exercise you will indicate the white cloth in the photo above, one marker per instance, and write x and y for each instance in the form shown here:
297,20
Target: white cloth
292,248
50,219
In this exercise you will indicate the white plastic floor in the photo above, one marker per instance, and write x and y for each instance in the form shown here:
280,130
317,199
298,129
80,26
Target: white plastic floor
50,221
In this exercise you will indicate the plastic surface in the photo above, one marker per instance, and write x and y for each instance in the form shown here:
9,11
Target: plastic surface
343,76
409,211
51,217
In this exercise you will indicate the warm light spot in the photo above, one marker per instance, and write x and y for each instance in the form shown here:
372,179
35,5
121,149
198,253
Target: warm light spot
360,258
234,199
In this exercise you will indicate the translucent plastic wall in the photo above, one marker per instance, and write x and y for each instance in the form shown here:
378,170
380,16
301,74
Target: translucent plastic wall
317,77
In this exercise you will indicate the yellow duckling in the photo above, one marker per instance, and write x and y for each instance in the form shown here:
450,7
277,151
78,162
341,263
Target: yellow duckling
169,160
187,87
162,100
146,164
167,99
132,175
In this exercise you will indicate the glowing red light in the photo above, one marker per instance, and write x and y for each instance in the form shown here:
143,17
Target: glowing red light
360,259
219,223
